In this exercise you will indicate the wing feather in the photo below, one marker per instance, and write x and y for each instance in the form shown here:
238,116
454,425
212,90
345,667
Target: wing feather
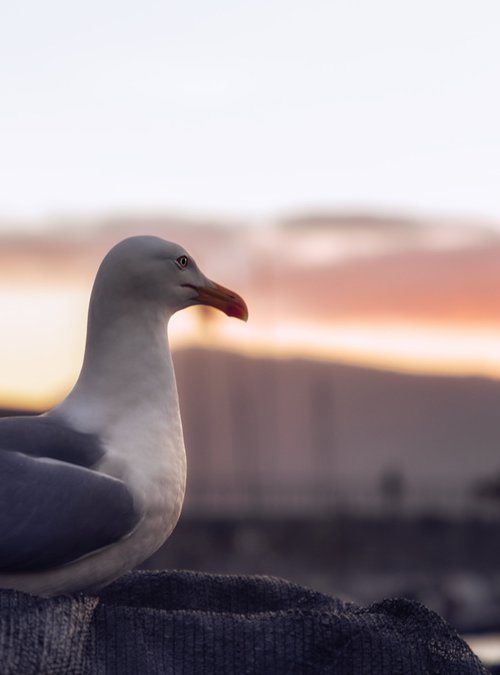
53,512
49,436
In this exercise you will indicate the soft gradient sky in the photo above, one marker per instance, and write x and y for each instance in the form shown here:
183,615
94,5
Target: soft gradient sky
249,107
416,297
252,109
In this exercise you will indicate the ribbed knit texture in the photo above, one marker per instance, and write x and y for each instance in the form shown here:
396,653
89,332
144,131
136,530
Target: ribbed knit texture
188,623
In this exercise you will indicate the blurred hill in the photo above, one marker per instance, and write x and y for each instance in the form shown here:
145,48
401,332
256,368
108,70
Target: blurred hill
283,434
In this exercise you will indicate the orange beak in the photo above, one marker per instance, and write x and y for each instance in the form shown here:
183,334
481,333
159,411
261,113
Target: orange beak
221,298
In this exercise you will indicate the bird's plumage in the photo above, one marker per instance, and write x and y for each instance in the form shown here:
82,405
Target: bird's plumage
95,486
51,512
46,436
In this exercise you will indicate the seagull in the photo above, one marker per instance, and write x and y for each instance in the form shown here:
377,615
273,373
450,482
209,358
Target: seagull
93,487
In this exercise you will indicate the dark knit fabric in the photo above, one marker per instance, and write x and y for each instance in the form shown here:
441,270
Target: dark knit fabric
185,623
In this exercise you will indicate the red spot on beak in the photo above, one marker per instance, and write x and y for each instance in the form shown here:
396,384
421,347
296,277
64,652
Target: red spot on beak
215,295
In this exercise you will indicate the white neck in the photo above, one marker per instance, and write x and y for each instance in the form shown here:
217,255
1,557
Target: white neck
127,372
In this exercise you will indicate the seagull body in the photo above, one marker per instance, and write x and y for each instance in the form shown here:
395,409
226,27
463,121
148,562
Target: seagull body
93,487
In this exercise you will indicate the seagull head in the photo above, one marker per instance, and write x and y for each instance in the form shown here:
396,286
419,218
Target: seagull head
151,269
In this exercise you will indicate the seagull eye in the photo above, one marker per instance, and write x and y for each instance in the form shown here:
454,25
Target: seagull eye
183,261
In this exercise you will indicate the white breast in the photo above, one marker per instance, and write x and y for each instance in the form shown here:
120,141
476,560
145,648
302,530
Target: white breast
131,403
146,451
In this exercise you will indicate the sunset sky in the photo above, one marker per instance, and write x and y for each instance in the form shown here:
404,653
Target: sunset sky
250,114
393,294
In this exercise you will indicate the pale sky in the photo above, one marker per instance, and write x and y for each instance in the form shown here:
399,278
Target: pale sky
249,108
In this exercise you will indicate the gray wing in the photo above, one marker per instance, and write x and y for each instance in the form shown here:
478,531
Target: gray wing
53,512
48,436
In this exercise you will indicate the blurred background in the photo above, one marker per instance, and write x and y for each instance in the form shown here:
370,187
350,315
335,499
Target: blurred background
338,165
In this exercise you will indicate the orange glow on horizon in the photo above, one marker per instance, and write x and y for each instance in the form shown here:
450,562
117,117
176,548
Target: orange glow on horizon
41,342
421,349
417,349
43,333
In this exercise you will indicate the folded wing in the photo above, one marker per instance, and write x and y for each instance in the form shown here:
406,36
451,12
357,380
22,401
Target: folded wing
53,512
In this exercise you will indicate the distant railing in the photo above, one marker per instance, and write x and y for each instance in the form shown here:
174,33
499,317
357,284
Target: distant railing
224,499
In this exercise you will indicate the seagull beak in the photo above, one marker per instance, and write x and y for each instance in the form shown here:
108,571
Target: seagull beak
217,296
